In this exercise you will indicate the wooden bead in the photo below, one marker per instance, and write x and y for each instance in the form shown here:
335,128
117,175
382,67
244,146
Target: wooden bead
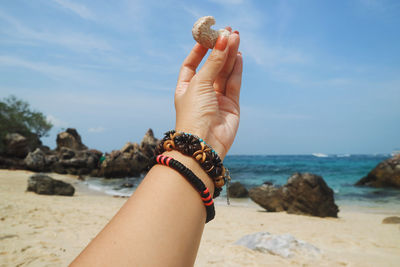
219,181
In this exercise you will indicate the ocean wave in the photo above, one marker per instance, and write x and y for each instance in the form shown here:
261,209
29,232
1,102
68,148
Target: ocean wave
320,155
111,191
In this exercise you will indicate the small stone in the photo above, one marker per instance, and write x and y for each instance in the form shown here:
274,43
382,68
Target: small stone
285,245
237,190
391,220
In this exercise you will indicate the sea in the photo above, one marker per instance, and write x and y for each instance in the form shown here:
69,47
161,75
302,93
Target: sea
339,171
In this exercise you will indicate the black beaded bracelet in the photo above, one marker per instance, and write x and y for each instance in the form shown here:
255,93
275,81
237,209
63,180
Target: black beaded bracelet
192,179
192,145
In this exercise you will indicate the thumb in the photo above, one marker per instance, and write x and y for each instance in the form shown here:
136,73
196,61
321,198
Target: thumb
215,61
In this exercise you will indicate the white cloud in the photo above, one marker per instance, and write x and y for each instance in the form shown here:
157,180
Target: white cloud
56,122
52,71
265,54
96,129
78,9
72,40
194,12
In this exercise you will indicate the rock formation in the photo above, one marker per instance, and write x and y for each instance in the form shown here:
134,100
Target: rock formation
130,163
385,174
237,190
70,139
148,144
73,157
16,145
45,185
131,160
304,193
36,161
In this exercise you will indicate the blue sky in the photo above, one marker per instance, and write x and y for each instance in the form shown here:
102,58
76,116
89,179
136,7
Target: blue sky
319,76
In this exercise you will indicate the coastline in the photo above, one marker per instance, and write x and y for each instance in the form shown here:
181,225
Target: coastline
39,230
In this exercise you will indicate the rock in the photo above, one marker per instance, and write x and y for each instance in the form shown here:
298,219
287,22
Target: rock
66,153
12,163
128,147
36,161
149,139
306,194
148,144
45,185
391,220
131,160
117,164
285,245
70,139
268,197
76,162
385,174
268,182
237,190
16,145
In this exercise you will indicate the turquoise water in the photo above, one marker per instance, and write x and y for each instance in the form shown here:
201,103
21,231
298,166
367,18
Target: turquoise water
339,171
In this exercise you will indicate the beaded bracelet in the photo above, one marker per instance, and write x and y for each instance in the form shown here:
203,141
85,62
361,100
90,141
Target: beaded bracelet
192,179
194,146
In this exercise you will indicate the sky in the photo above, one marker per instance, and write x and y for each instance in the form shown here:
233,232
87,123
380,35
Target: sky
318,77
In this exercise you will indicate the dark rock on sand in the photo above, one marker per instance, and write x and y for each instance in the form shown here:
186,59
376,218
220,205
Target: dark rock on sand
385,174
304,193
45,185
391,220
237,190
70,139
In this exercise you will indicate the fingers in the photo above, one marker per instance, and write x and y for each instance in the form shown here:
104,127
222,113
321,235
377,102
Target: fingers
235,80
215,62
191,62
220,82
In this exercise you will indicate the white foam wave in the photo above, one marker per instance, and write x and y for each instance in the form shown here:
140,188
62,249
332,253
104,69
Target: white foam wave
109,189
320,155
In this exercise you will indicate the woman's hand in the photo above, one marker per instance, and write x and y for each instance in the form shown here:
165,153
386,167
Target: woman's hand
207,103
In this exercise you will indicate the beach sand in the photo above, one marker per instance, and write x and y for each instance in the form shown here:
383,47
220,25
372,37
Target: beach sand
37,230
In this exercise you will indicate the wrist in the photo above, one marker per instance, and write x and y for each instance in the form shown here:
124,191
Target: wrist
194,166
208,138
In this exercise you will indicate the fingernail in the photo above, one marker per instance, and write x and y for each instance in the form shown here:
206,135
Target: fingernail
239,53
221,43
237,32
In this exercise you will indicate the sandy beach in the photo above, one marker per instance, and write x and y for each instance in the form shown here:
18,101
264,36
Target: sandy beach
37,230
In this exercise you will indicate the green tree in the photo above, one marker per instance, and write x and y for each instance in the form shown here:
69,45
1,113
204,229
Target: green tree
17,117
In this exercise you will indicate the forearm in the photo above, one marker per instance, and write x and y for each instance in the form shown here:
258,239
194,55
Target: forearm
172,212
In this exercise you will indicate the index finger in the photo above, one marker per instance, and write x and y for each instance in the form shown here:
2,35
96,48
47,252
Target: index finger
191,62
